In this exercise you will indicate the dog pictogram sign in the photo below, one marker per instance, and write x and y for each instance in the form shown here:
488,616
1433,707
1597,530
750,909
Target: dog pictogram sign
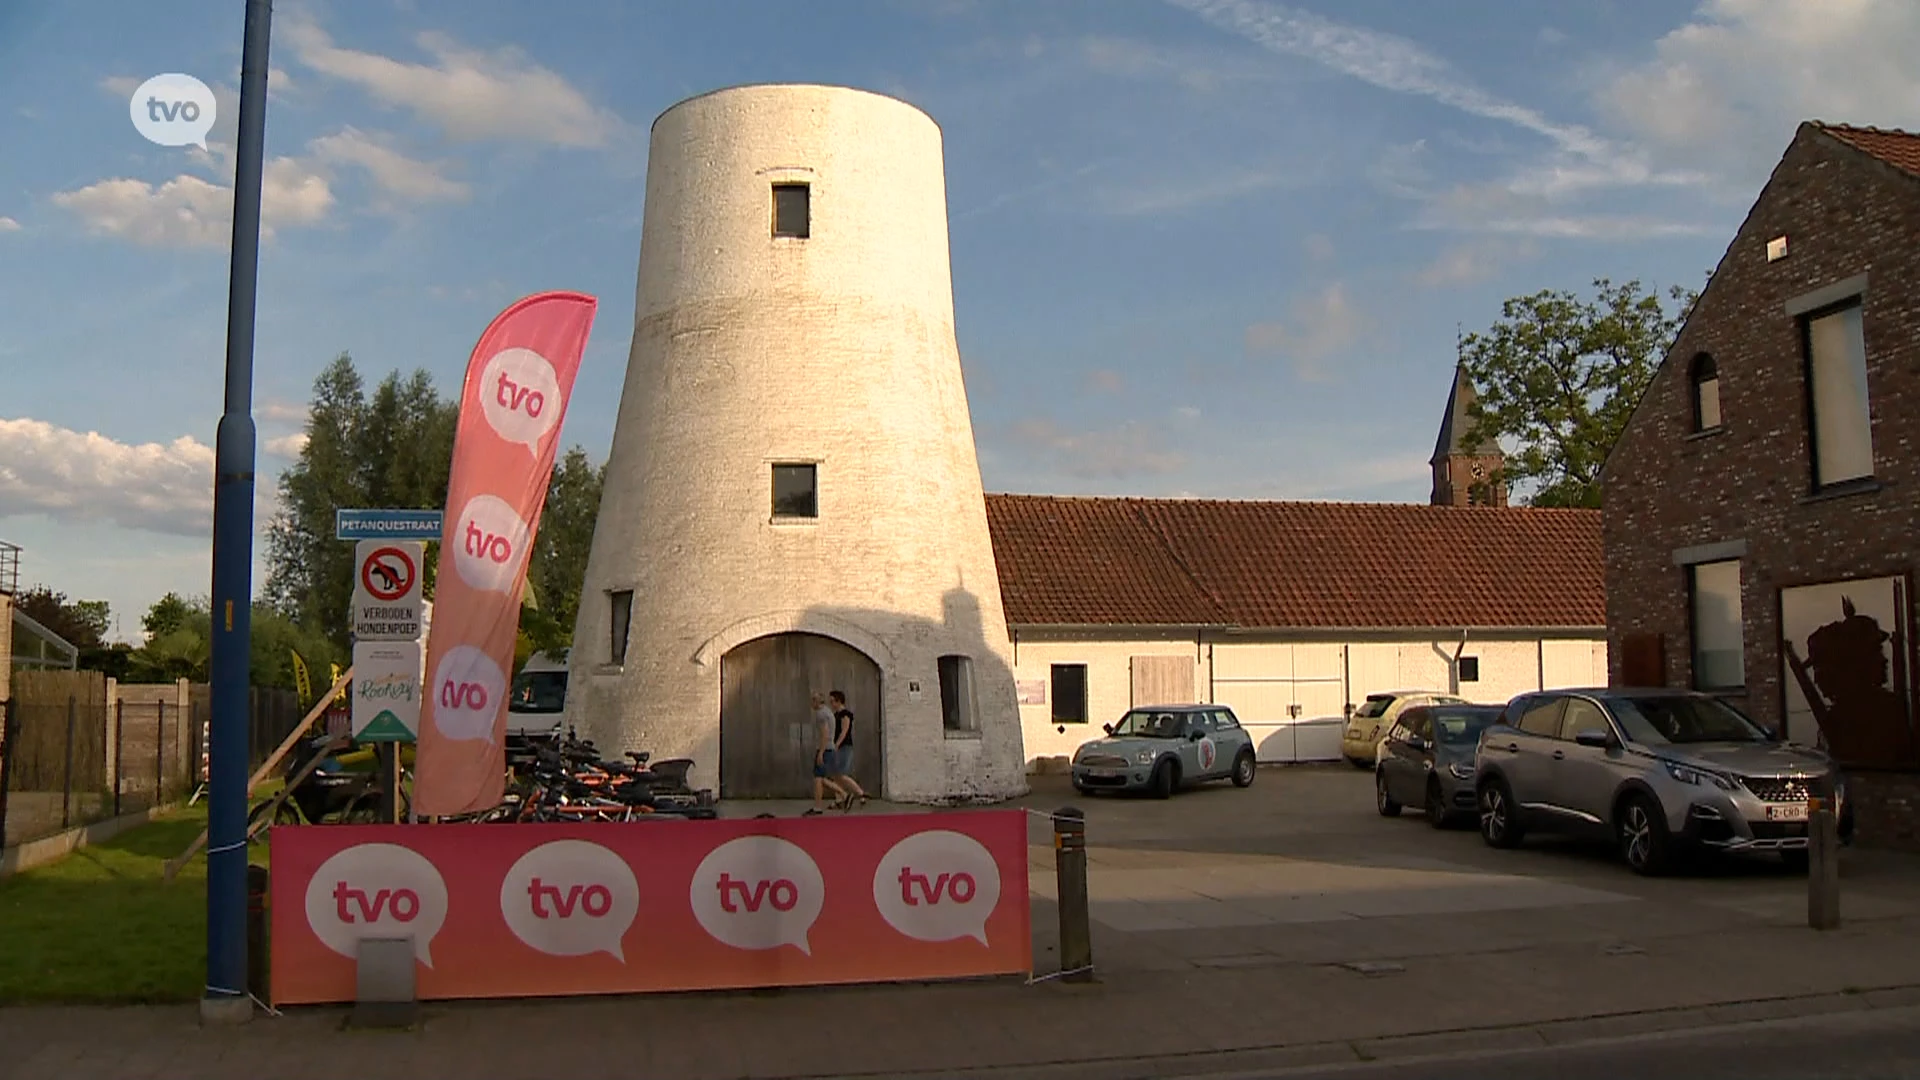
386,590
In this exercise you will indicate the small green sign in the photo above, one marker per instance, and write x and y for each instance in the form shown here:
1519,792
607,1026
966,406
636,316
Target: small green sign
385,727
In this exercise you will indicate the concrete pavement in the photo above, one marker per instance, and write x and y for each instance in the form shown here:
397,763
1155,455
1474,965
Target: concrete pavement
1283,925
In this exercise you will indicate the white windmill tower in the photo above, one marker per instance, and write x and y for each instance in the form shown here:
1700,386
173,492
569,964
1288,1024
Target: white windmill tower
793,501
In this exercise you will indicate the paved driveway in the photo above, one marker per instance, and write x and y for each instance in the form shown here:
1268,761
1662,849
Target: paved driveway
1301,868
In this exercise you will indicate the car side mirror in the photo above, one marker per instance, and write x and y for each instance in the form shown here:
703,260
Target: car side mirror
1417,742
1594,737
1108,728
1196,735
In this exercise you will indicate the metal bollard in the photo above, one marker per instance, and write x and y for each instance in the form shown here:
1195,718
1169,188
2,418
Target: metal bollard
257,881
1823,864
1070,866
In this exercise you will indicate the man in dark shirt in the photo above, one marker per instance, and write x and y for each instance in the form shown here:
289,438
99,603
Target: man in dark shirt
843,752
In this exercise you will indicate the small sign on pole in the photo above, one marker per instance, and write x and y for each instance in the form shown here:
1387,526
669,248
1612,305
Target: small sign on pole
387,524
386,590
386,691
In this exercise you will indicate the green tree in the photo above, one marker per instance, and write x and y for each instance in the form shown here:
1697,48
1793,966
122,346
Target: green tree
560,551
169,613
1558,377
80,623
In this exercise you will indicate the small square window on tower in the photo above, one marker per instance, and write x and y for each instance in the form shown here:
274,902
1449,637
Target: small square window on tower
791,211
796,491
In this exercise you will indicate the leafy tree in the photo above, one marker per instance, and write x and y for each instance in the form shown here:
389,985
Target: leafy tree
80,623
394,448
183,648
1558,377
169,613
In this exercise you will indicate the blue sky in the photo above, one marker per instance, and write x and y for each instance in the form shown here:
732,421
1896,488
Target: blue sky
1205,247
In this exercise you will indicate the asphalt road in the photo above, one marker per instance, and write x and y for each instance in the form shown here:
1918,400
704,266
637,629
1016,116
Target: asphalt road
1875,1044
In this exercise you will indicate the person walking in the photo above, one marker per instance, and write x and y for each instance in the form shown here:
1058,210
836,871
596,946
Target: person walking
843,753
823,756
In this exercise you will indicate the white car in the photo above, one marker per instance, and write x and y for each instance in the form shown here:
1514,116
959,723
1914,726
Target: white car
537,703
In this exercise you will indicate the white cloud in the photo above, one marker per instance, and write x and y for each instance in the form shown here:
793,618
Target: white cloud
1318,328
187,211
287,446
7,224
1185,194
1474,261
1725,91
470,94
1130,449
1201,70
77,477
394,172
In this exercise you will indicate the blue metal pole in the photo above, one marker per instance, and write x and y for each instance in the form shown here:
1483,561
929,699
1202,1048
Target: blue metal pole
226,998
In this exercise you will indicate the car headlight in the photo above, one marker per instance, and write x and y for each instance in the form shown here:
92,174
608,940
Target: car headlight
1688,775
1461,770
1144,757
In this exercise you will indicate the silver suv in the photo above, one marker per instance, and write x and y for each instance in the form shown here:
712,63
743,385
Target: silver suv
1655,771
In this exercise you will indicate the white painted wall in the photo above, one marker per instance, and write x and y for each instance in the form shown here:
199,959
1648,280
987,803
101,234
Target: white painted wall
1291,695
837,349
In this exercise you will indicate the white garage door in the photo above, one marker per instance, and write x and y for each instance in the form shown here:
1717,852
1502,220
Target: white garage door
1291,700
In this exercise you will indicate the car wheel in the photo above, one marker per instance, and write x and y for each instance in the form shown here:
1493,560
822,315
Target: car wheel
1437,814
1498,825
1644,842
1382,800
1166,777
1243,769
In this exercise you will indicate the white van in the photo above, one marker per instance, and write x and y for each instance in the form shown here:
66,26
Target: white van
537,704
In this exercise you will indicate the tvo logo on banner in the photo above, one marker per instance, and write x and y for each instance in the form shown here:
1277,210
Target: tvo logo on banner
520,395
758,892
469,689
377,891
490,544
938,885
570,898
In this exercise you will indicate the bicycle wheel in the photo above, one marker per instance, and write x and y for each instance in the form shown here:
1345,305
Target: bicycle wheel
286,813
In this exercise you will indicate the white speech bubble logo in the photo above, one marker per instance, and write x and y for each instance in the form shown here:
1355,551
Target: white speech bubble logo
173,110
468,688
758,892
376,891
489,544
521,396
570,898
938,885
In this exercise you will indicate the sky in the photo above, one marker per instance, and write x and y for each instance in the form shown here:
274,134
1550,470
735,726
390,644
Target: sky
1216,248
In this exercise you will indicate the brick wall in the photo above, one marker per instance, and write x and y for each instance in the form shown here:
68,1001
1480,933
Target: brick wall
1886,809
1844,214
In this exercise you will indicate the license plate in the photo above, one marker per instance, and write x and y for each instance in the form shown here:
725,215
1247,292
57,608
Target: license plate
1104,774
1788,812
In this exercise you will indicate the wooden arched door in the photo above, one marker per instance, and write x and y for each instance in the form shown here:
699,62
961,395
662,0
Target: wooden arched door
766,728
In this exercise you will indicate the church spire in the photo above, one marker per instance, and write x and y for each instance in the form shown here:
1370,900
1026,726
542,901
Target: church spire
1458,465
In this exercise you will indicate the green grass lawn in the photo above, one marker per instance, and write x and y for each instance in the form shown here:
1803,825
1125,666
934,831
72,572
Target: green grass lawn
103,926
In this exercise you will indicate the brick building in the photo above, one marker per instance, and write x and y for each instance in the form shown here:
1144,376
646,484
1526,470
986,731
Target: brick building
1763,505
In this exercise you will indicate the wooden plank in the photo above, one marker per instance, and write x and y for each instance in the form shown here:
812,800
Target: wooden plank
1162,680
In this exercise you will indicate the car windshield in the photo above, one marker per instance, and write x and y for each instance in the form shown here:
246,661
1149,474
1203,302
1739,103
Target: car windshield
538,692
1376,705
1145,723
1461,727
1657,720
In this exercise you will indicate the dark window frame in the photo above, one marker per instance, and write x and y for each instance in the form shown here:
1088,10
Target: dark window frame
620,627
1469,669
1054,695
1817,485
787,229
959,709
811,510
1702,373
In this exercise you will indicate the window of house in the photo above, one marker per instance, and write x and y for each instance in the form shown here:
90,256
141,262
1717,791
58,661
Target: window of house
1069,693
796,491
1706,393
957,712
1469,669
791,211
621,603
1837,388
1719,640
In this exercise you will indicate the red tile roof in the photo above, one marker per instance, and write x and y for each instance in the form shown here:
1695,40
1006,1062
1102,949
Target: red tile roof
1901,149
1079,561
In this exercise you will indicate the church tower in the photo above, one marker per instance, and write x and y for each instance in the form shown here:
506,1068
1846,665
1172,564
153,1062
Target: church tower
1464,474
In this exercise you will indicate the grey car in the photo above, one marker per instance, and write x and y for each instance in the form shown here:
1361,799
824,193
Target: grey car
1426,761
1657,772
1161,748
